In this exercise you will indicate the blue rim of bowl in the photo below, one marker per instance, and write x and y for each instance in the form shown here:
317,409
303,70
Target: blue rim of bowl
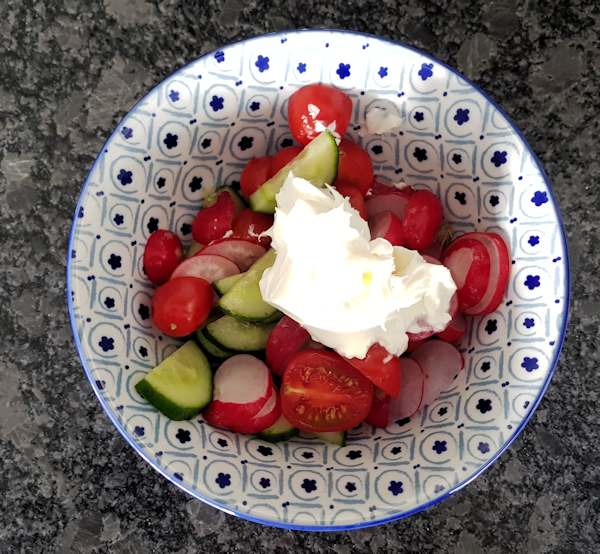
400,515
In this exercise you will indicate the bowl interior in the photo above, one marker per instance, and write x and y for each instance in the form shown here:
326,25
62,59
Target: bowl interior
192,134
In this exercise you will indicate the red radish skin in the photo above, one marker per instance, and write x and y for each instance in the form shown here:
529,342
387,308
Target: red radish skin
413,343
387,226
379,416
213,221
410,398
440,362
162,255
499,274
209,267
242,387
267,416
422,219
242,253
287,338
388,202
455,330
379,187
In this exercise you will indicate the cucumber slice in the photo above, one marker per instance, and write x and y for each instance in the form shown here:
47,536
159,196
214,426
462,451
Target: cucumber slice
332,437
244,300
181,385
241,336
281,430
211,348
317,163
224,285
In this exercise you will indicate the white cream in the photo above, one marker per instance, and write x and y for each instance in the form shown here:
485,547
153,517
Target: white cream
347,290
380,120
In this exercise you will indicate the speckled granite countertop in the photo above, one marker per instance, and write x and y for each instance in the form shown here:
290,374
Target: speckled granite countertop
69,69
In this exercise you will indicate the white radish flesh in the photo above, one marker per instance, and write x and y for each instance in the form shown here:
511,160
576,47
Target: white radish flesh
209,267
242,253
386,202
241,379
411,391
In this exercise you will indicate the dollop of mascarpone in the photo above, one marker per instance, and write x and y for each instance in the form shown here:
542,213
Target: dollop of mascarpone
347,290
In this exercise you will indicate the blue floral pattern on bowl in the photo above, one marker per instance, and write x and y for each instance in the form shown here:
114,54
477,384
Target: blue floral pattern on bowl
192,134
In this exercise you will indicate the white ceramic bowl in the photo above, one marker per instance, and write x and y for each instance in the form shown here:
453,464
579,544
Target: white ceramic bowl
194,132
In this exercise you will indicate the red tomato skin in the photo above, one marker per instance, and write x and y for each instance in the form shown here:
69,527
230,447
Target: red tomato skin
355,166
333,105
287,338
422,219
213,221
256,172
381,368
380,410
354,196
181,305
321,392
248,224
284,157
162,255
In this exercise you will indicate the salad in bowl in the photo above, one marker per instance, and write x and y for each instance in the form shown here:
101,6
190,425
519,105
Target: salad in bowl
318,280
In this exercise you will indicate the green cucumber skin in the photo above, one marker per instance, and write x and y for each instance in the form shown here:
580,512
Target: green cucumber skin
263,200
230,333
278,437
212,349
167,406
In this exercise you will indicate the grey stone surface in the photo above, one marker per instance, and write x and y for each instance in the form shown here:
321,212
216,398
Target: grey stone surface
69,69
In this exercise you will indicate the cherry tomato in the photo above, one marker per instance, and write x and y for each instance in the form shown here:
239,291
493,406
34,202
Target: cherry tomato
181,305
322,392
354,196
317,103
287,338
162,255
249,224
355,166
422,219
379,415
284,157
214,220
381,368
256,172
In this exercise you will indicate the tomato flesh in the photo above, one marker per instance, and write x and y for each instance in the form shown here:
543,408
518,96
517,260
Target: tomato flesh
248,225
162,255
287,338
256,172
322,392
314,104
181,305
355,166
379,415
381,368
354,196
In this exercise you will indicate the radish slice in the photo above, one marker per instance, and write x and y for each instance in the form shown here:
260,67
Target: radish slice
384,187
440,362
499,273
434,250
287,338
431,260
386,202
268,415
387,226
411,391
455,330
242,386
209,267
242,253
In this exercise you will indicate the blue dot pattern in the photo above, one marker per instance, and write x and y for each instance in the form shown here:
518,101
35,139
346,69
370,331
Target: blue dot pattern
193,134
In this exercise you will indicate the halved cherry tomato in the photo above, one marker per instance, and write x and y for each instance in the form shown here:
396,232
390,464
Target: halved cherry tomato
162,255
354,196
317,103
287,338
284,157
181,305
379,416
214,220
381,368
256,172
355,166
322,392
250,224
422,219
